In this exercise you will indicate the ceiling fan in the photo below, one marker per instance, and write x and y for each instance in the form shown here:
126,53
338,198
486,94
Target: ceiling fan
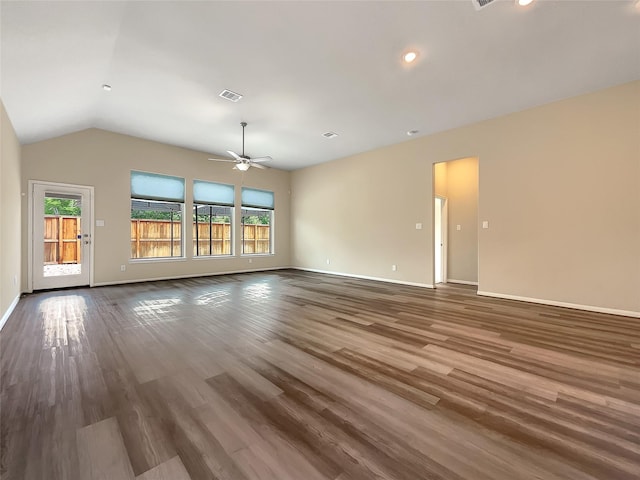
243,162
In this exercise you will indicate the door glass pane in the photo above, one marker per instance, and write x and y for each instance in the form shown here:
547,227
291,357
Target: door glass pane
62,234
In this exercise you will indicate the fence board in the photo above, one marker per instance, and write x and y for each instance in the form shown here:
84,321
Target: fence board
61,242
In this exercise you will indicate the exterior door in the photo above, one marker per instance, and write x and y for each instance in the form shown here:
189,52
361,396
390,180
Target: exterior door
61,235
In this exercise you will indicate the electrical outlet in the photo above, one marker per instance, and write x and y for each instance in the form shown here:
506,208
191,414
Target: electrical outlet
123,268
15,279
251,260
394,268
328,261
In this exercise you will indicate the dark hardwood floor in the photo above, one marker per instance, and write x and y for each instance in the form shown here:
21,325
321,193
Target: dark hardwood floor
292,375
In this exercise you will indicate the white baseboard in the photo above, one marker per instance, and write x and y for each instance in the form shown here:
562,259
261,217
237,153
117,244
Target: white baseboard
178,277
461,282
365,277
553,303
9,311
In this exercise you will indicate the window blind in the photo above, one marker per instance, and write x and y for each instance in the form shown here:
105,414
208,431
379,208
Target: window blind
153,186
252,197
211,193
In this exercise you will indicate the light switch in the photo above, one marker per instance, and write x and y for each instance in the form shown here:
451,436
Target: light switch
418,226
458,227
99,223
485,224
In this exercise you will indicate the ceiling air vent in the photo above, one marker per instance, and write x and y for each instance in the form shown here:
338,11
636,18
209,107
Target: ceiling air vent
229,95
329,135
480,4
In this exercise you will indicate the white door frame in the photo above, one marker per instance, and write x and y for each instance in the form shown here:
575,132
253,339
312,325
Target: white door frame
444,226
30,217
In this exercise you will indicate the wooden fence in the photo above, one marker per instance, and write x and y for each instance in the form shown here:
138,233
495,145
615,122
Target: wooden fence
256,239
155,238
151,239
220,237
61,242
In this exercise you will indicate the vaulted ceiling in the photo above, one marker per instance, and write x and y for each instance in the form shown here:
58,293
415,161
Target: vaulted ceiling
304,68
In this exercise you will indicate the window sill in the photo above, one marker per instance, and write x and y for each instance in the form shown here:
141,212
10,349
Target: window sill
213,257
254,255
157,260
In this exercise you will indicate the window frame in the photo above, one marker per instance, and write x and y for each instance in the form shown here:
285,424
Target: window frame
271,229
261,200
196,239
154,198
213,194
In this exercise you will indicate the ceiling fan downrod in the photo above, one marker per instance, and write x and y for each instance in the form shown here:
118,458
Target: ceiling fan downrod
243,124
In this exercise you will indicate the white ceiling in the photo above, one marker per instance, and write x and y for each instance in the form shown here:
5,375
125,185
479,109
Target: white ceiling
304,68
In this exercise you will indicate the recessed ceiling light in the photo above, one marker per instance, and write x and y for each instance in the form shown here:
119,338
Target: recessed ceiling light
106,88
412,132
524,3
409,56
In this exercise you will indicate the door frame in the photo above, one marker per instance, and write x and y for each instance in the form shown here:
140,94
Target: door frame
444,232
30,218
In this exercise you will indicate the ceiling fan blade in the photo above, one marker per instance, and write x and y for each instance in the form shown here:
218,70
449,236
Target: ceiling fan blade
234,155
223,160
261,159
258,165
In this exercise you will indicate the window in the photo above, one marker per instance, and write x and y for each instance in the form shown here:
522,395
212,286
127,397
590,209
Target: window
157,211
212,218
257,221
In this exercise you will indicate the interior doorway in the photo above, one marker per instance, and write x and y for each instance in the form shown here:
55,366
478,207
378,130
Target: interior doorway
440,239
455,222
61,235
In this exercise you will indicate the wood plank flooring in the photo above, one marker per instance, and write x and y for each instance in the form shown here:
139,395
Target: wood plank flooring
292,375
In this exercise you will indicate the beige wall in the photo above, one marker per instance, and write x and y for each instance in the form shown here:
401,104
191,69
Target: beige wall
559,185
360,213
104,160
440,179
462,209
10,199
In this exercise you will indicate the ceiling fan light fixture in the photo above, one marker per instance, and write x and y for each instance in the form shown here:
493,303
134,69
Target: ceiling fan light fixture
244,162
524,3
